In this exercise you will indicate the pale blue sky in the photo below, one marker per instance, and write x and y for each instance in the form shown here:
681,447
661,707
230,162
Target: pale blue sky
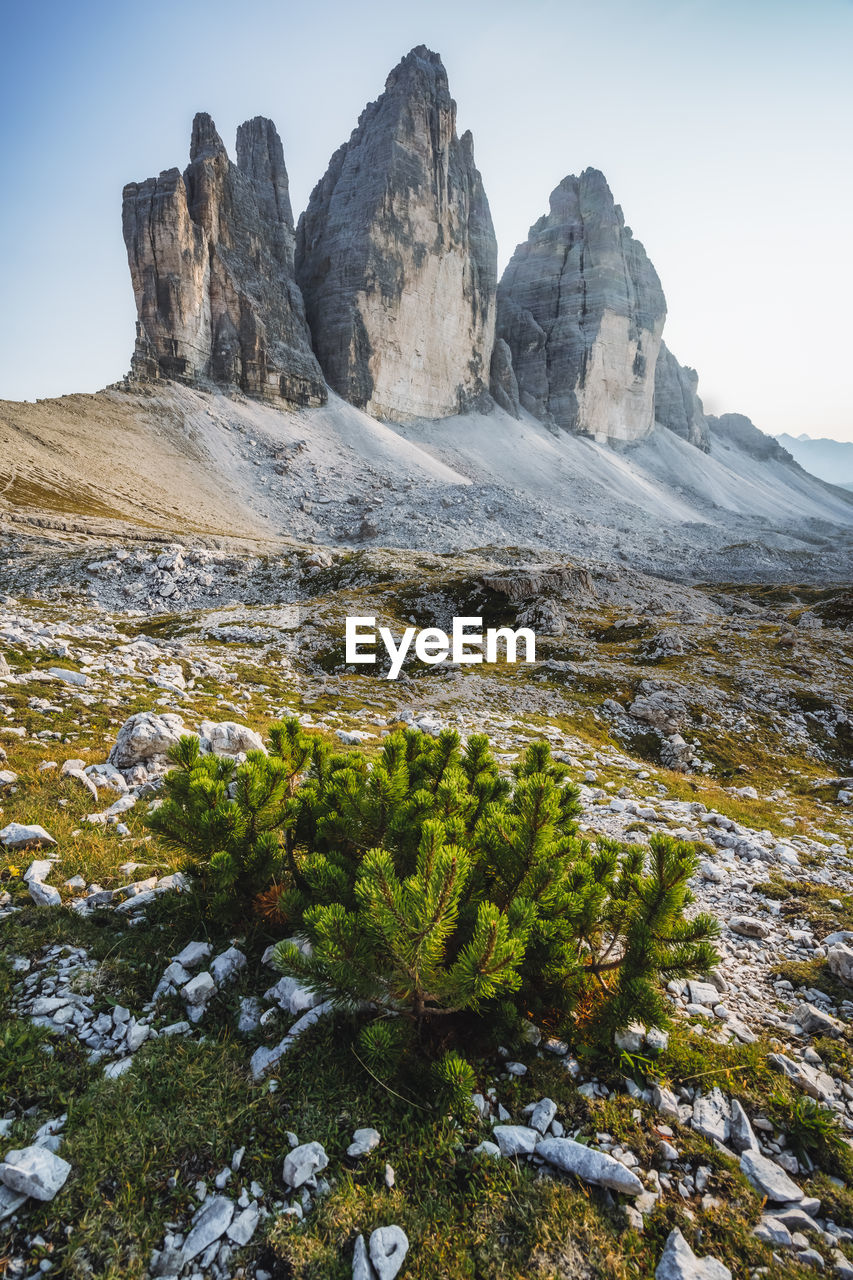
723,126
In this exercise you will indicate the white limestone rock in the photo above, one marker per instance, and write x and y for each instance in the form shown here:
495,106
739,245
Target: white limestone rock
34,1171
589,1165
16,835
145,737
303,1163
363,1142
227,738
388,1249
679,1262
210,1223
768,1178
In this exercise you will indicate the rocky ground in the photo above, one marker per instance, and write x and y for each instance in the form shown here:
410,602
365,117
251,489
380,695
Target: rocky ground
171,1108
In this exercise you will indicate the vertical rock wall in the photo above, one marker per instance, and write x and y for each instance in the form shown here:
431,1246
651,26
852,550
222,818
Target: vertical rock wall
396,256
582,310
211,256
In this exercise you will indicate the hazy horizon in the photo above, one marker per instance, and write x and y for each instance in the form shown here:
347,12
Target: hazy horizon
723,130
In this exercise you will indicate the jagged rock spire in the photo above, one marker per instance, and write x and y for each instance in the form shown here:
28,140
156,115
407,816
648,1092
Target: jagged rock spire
396,255
211,259
581,308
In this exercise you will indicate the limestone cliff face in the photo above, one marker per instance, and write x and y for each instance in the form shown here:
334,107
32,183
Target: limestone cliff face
677,404
396,256
211,255
581,308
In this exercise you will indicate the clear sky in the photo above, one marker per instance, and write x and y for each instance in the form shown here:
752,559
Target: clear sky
725,129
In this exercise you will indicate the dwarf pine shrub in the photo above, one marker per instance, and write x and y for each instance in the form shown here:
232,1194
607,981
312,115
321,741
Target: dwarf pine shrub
432,889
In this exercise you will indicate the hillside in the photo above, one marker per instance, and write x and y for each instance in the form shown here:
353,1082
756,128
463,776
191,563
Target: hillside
177,460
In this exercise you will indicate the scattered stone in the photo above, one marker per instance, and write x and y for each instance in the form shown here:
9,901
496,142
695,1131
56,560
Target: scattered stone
588,1165
768,1178
839,957
17,836
227,966
388,1249
711,1116
363,1142
199,989
630,1039
34,1171
193,955
210,1222
515,1139
749,927
740,1130
679,1262
361,1268
44,895
542,1115
303,1163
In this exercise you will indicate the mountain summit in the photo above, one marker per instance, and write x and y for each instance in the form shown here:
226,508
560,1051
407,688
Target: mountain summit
396,255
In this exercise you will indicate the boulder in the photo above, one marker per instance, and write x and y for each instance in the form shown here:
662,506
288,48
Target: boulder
18,836
144,737
227,738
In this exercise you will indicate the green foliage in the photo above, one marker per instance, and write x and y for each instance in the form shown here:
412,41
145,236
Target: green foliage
454,1081
814,1131
432,889
233,820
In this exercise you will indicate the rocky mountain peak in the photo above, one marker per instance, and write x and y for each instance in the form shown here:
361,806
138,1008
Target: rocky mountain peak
396,255
581,309
205,140
260,156
420,71
211,259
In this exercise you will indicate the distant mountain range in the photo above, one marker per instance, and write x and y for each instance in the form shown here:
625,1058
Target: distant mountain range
830,460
